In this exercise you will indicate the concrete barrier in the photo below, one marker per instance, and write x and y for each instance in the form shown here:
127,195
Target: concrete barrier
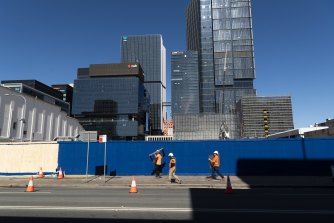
26,158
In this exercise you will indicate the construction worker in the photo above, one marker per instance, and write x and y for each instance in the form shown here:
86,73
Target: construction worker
158,159
215,163
172,169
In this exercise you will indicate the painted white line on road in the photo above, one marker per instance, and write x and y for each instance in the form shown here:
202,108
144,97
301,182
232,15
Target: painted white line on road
13,192
94,208
152,209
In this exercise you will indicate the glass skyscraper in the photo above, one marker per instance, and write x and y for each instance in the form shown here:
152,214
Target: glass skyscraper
185,94
221,31
149,51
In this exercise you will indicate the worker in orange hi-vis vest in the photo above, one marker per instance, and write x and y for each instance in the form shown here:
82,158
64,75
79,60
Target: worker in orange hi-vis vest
158,160
172,169
215,163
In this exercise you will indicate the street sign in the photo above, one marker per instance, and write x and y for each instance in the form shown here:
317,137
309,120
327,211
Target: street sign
102,138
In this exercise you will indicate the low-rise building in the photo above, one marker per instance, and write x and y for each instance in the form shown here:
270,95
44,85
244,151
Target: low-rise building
27,118
38,89
318,130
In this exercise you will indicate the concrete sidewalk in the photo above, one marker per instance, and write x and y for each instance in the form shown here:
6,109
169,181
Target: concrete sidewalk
243,182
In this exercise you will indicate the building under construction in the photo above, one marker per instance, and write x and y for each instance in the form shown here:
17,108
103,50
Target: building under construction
261,116
205,126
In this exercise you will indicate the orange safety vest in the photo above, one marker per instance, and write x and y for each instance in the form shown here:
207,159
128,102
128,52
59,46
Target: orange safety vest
215,161
158,159
172,163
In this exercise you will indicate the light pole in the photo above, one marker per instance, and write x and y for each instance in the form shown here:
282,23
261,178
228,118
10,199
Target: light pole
23,113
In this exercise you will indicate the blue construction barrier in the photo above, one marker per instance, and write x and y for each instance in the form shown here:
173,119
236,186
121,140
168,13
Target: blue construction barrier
238,157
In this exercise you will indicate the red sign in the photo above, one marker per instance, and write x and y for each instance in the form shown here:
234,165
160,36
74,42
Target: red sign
102,138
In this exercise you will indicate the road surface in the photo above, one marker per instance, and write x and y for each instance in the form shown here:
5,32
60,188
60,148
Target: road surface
166,204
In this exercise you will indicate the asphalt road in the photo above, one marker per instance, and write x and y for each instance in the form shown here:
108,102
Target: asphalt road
167,204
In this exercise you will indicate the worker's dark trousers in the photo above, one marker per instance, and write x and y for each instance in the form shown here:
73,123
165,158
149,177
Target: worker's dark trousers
157,170
216,169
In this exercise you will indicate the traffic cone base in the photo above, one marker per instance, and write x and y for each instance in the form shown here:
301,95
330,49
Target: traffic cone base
60,174
30,187
228,189
133,188
40,173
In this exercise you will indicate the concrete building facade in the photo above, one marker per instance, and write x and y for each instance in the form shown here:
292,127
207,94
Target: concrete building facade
37,89
27,118
263,116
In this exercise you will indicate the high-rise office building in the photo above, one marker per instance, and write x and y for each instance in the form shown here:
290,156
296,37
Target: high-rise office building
149,51
185,94
221,31
111,99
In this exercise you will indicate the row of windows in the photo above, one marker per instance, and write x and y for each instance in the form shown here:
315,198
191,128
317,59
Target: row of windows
236,23
147,51
229,3
238,34
125,99
231,13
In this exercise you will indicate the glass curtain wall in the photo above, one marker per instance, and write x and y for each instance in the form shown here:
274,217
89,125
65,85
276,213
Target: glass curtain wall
221,30
149,51
233,52
185,82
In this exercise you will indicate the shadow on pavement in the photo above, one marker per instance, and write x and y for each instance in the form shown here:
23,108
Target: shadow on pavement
283,167
294,173
259,205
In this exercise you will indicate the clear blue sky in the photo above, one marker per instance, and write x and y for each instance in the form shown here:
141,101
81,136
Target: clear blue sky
48,40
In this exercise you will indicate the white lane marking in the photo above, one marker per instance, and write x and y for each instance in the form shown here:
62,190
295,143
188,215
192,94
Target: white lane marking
22,192
94,208
152,209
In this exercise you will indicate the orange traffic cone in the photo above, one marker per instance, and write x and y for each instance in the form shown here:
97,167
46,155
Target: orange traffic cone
40,173
60,174
228,186
30,187
133,188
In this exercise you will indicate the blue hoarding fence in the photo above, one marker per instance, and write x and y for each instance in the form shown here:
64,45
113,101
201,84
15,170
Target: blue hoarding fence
238,157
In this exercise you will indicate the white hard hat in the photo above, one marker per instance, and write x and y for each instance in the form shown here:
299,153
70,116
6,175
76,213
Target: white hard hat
170,154
215,152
